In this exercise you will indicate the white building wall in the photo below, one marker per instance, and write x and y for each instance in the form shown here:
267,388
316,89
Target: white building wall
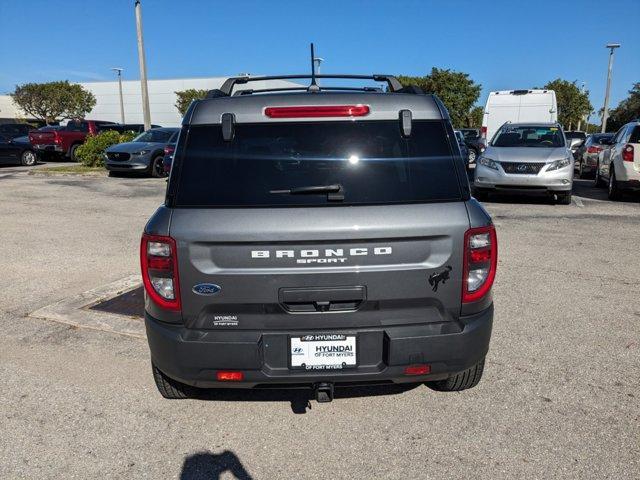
162,98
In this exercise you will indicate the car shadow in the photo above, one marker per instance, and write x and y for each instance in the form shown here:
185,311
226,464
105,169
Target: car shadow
299,398
584,188
210,466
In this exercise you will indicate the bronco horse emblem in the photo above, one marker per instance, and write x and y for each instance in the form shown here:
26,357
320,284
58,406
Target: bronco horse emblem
436,278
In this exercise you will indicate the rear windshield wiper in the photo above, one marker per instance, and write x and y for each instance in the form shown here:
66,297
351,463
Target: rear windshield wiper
334,192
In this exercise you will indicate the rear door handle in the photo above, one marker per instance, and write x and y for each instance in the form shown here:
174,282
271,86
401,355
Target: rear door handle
322,299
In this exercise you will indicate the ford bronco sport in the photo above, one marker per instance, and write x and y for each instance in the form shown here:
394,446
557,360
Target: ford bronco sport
317,237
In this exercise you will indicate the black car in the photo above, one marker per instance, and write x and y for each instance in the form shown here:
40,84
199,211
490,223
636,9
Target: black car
473,141
16,150
15,130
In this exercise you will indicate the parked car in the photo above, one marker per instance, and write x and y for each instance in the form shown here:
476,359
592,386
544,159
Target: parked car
15,130
144,153
587,154
474,142
125,127
464,150
530,106
526,157
575,139
63,141
619,164
16,151
307,240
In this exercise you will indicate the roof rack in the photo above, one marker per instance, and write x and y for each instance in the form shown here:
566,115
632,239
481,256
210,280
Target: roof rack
227,87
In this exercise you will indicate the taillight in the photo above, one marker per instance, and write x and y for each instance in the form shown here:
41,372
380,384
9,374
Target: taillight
480,262
627,153
317,111
56,138
159,262
594,149
169,149
223,376
483,132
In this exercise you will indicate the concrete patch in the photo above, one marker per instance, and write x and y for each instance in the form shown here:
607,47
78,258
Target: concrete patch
109,308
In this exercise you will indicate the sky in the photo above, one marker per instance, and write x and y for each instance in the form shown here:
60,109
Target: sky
502,45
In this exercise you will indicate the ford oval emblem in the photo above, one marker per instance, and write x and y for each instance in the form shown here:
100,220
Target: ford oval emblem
206,289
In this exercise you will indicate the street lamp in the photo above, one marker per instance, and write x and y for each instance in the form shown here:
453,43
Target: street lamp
119,73
605,111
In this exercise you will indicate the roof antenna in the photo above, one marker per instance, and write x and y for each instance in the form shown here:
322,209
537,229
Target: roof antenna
314,86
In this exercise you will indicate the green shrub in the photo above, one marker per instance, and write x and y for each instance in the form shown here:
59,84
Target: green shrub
91,152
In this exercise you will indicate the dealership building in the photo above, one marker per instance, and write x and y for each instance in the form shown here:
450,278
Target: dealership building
162,99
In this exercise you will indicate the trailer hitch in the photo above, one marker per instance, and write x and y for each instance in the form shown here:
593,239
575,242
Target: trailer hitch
323,392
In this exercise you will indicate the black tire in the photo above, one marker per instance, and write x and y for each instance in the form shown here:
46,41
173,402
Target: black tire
72,152
469,378
170,388
157,168
613,190
563,198
473,155
28,158
597,181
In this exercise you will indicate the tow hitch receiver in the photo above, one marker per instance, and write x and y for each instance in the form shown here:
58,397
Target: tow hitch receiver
324,392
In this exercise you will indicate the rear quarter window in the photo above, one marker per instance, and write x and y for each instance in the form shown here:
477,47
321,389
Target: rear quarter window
371,161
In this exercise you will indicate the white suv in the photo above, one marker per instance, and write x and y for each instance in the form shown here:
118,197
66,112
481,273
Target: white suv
619,165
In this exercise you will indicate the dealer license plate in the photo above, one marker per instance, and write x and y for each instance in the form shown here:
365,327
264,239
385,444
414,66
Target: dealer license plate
323,352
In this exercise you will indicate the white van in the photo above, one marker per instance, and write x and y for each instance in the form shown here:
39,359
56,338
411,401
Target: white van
518,106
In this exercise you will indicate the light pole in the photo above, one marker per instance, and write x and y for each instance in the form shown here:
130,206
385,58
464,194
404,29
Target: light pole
119,73
605,111
143,68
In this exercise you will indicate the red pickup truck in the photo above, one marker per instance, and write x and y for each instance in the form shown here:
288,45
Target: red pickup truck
65,140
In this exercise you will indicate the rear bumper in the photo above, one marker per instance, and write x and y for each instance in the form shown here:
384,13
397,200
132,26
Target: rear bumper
48,148
194,356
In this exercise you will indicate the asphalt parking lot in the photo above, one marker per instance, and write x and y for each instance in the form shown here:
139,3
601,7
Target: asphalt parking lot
560,397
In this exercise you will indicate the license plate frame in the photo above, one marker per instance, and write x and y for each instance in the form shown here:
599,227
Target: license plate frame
308,341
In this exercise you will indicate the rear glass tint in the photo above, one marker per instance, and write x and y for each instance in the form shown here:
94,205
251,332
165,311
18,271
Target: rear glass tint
372,162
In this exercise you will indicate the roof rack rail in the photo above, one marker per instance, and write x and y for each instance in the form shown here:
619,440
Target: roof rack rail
303,88
227,87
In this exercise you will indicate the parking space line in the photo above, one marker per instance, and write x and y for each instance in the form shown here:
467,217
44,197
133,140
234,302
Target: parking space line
578,201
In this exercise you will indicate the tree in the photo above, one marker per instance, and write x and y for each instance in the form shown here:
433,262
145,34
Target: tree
474,117
185,97
573,104
626,111
54,100
456,90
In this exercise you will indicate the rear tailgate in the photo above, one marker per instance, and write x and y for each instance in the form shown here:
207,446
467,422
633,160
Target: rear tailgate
42,138
319,268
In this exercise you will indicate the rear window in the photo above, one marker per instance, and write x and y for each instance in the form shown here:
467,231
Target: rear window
371,161
635,135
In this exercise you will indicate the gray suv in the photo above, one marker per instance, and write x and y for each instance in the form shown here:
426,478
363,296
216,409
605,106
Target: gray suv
317,237
145,153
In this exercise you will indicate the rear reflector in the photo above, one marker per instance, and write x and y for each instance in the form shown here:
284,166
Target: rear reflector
417,370
317,111
480,262
230,376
